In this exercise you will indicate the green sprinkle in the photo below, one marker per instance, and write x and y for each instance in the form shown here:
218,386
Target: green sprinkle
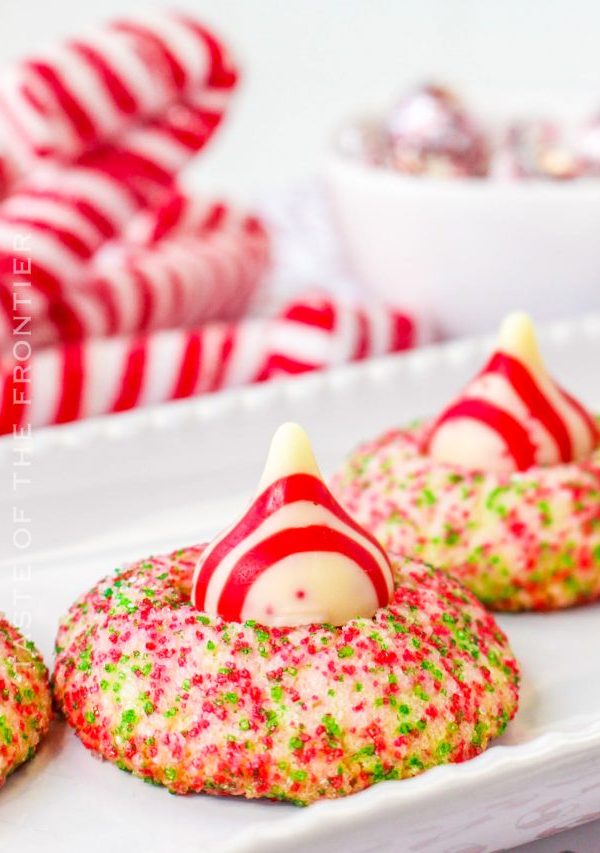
129,717
272,720
479,734
430,667
365,752
298,775
85,663
492,500
380,774
126,603
545,513
345,652
452,537
331,726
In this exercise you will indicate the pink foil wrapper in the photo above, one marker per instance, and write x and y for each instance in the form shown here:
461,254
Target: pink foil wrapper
431,133
536,149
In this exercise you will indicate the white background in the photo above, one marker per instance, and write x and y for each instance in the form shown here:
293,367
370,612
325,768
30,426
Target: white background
310,63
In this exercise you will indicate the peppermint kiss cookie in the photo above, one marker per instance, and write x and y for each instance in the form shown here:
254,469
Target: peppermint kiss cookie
502,490
25,703
292,658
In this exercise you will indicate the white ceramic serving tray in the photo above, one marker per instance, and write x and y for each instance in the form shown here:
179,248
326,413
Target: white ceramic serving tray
111,490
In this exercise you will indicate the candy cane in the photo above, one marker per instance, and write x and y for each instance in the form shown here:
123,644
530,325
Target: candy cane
164,274
185,278
93,89
67,213
105,375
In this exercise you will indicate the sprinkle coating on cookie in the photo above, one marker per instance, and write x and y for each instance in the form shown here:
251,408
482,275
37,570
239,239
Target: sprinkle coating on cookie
520,541
25,702
200,704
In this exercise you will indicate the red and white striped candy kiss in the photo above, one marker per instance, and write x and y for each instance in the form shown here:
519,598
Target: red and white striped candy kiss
295,557
513,415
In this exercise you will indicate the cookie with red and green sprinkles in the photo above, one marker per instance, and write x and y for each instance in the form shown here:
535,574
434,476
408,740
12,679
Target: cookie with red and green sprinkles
527,540
200,704
25,700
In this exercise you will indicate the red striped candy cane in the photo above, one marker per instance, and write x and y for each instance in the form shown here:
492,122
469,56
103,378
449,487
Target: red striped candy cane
189,276
67,213
105,375
92,89
318,332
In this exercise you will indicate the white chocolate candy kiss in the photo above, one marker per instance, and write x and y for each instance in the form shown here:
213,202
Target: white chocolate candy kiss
295,557
512,415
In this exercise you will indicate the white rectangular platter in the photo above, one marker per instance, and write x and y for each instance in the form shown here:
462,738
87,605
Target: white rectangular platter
115,489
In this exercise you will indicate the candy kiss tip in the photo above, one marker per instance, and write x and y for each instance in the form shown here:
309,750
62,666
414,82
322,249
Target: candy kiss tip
290,453
517,337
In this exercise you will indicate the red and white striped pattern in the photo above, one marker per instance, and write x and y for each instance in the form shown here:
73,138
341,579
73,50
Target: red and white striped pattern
206,268
104,375
92,138
295,517
108,122
68,213
317,331
295,557
510,418
91,90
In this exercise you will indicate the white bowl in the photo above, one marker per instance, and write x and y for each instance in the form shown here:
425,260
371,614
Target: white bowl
466,252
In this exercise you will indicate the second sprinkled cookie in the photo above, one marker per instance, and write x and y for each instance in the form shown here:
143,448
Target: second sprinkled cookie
502,489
